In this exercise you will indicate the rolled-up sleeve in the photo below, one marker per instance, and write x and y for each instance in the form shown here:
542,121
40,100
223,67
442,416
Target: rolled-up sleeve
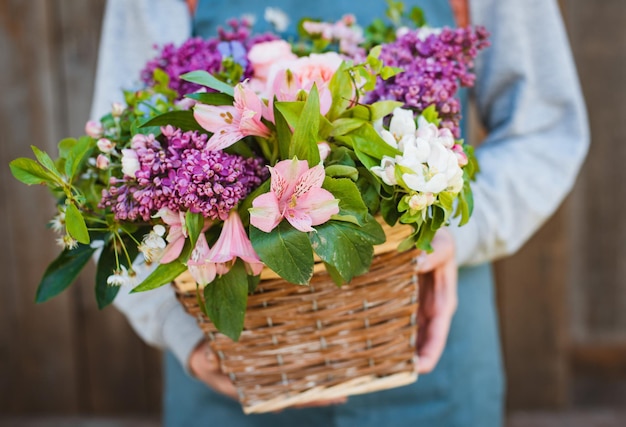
529,100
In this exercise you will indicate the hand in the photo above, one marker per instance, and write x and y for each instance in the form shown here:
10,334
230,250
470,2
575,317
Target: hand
204,365
438,299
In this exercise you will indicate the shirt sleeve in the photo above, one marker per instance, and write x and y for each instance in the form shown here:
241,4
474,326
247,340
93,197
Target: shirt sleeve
529,100
130,31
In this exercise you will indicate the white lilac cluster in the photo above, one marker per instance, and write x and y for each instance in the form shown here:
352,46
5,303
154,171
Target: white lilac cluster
431,162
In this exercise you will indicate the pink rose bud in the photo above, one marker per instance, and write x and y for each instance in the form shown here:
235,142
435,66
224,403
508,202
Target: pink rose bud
460,154
102,162
105,145
349,19
93,129
117,109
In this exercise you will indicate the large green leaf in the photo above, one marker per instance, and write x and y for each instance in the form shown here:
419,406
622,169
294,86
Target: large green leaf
105,293
62,272
180,119
75,224
205,79
212,98
194,223
30,172
350,201
306,134
346,246
226,299
46,161
342,90
368,141
76,155
283,133
162,275
285,250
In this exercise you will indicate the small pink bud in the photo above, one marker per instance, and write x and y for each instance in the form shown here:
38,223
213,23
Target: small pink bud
105,145
102,162
460,154
117,109
324,149
348,19
93,129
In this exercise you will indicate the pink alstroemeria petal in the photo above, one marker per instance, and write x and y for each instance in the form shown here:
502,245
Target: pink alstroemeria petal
312,178
202,270
172,250
250,124
213,117
299,219
319,204
224,138
265,213
288,172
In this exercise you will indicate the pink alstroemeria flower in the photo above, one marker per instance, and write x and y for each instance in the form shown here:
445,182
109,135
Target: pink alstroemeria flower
229,123
201,269
296,194
234,243
176,235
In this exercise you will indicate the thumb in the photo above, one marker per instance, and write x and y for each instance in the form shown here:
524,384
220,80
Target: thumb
443,252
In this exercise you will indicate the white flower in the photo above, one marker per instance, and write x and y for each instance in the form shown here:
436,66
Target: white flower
67,242
130,162
105,145
153,244
388,138
324,149
57,223
402,123
122,277
117,109
424,32
386,171
416,151
417,202
276,17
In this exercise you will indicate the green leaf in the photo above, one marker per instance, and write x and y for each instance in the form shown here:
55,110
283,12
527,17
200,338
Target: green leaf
30,172
212,98
105,293
46,161
291,111
283,133
226,300
76,156
350,201
194,223
334,274
306,134
62,272
380,109
205,79
75,224
347,247
346,125
162,275
286,251
65,145
431,115
369,142
417,16
180,119
342,171
342,91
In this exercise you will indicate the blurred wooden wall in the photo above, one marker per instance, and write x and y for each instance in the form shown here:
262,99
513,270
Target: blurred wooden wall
562,298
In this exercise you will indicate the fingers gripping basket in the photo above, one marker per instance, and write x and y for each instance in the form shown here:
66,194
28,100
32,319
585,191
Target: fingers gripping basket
307,343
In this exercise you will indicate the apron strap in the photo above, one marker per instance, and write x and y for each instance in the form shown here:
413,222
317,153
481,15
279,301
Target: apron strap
461,12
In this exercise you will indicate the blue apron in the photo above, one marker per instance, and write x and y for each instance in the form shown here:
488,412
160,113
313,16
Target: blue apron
465,389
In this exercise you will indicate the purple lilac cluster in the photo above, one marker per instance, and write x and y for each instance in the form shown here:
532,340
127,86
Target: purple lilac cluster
435,66
183,176
200,54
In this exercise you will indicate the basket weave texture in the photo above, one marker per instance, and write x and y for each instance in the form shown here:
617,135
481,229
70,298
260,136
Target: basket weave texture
316,342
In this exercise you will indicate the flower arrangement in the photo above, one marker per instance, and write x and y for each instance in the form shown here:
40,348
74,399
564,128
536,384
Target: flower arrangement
248,152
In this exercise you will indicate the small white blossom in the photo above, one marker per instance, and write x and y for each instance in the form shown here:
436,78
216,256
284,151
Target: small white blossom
130,162
276,17
386,171
57,223
153,244
105,145
402,123
67,242
94,129
122,277
117,109
102,162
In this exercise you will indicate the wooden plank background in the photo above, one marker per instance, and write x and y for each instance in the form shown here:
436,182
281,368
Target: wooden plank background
562,299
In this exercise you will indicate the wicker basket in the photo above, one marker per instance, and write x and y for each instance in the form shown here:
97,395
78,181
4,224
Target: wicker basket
308,343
